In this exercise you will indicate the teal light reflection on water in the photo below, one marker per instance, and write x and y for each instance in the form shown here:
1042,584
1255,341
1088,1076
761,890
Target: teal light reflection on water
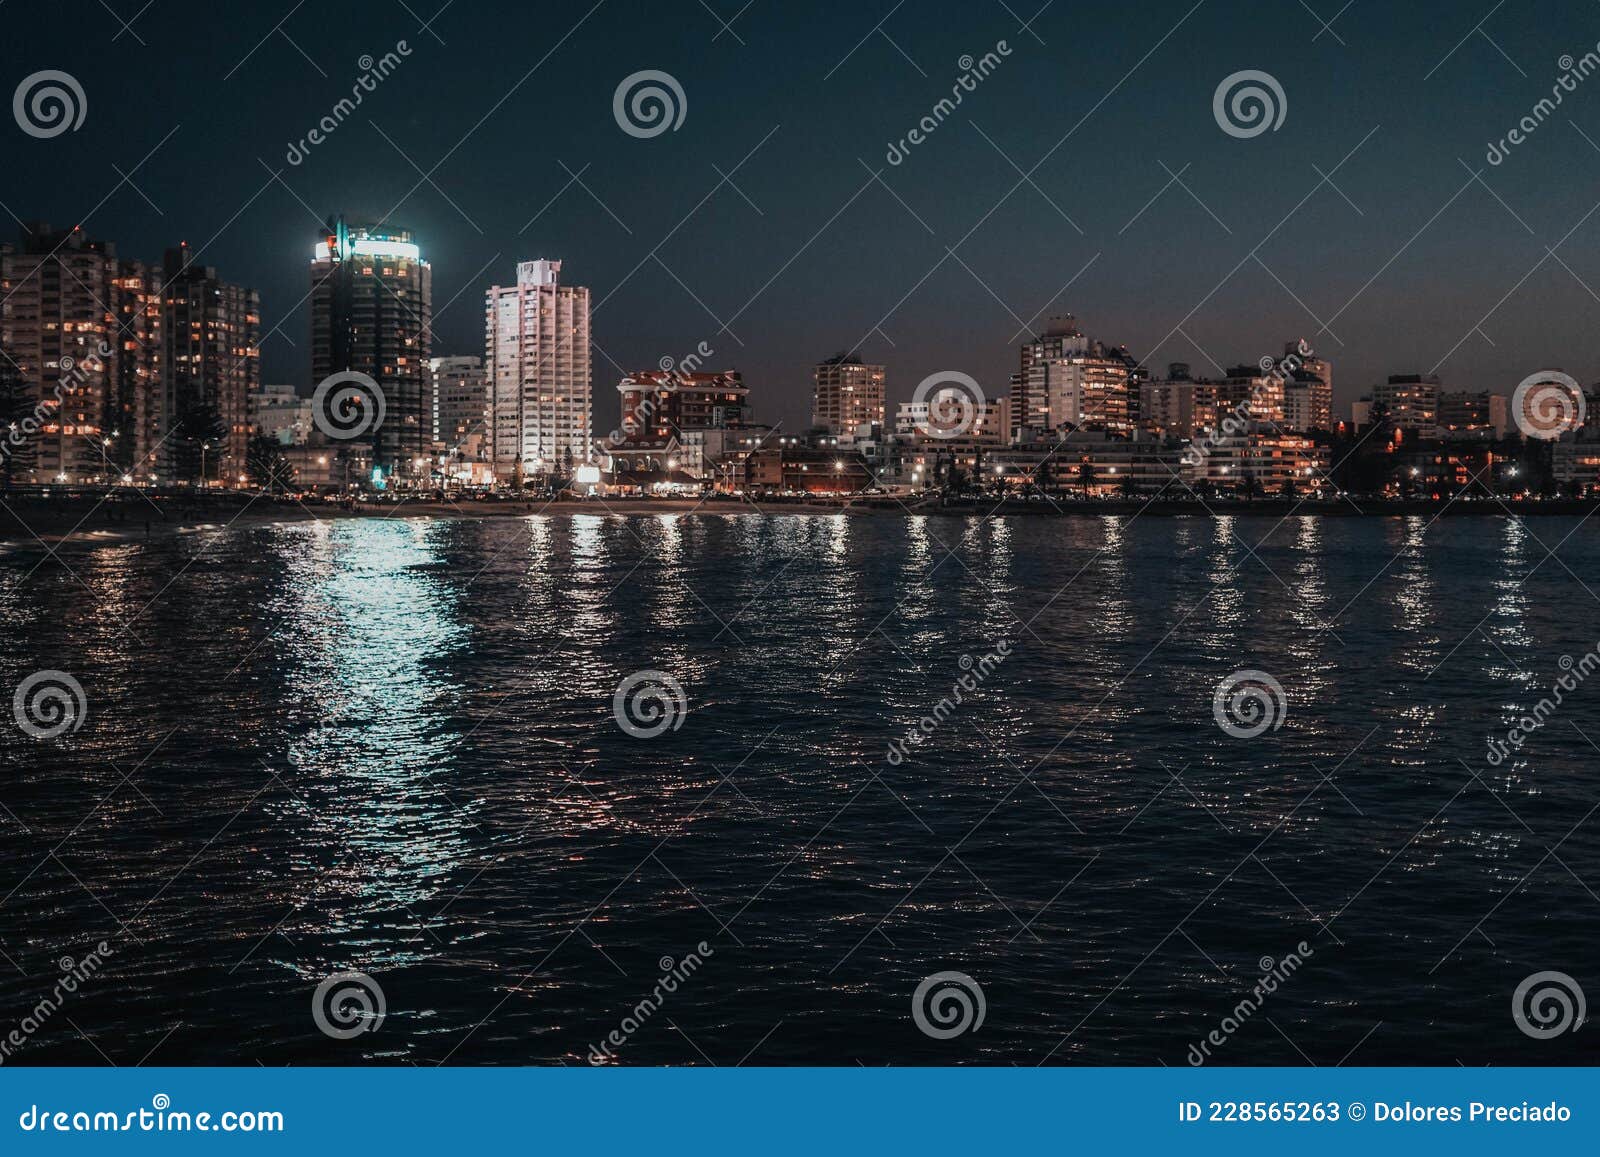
374,627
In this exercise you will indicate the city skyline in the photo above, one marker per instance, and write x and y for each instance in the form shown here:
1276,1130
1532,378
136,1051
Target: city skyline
827,268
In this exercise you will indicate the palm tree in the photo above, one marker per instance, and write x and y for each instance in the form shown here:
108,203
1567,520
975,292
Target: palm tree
1086,476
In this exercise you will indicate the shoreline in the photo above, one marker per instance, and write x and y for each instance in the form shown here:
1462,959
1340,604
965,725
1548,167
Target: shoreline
45,525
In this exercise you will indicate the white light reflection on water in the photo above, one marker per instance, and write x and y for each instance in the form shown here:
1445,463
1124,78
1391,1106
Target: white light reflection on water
371,631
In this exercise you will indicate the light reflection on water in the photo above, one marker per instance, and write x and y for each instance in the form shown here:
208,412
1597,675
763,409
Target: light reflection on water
392,748
374,635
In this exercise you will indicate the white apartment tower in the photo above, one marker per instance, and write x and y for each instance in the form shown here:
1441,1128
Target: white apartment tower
537,368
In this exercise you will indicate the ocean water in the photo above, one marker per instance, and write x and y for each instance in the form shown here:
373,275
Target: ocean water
393,747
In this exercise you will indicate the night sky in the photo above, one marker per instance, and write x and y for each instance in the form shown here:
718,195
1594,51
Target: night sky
808,254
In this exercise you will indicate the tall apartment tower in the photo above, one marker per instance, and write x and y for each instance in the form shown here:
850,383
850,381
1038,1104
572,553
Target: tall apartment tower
82,330
1066,379
212,358
372,313
536,364
1308,393
847,393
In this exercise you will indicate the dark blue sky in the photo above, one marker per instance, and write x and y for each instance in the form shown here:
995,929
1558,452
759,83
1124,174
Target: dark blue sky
1122,93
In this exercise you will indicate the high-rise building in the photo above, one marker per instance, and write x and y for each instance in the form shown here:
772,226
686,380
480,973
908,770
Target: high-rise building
372,313
847,393
461,401
537,368
212,359
1307,392
1068,380
82,329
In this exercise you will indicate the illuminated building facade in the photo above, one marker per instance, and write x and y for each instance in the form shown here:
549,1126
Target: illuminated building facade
847,393
537,370
82,331
212,359
372,313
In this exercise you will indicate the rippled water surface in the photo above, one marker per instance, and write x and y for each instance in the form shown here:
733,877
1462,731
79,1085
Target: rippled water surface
390,747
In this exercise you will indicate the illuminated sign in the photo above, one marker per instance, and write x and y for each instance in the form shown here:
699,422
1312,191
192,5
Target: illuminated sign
367,247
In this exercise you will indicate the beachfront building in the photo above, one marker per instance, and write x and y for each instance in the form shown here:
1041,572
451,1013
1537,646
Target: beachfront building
81,328
372,313
537,371
212,357
846,393
1068,380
